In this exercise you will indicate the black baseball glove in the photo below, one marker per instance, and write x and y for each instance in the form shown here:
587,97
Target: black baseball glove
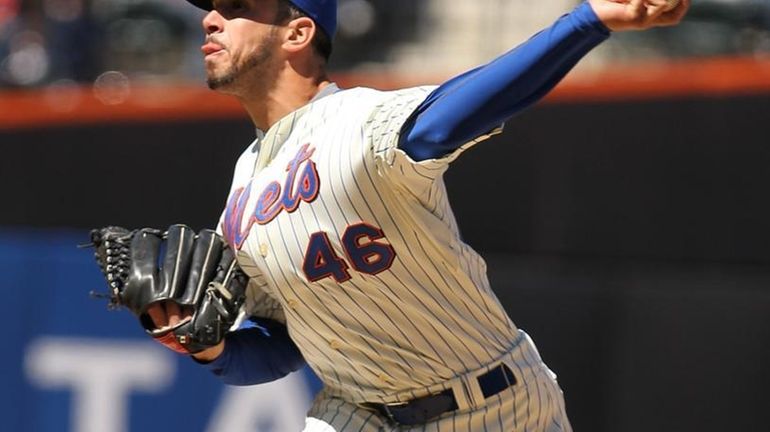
198,273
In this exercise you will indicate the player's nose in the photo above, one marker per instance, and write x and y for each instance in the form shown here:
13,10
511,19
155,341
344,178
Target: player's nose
213,22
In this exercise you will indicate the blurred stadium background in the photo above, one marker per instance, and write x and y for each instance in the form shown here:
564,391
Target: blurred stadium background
624,219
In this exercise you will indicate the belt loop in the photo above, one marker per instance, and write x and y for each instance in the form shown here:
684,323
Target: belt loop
472,389
462,394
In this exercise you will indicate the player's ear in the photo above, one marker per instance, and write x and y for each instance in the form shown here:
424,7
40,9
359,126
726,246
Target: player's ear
299,34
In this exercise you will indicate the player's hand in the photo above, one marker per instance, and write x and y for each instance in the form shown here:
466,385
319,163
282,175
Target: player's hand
620,15
167,314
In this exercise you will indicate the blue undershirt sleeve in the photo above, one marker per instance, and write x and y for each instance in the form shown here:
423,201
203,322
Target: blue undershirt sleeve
478,101
256,355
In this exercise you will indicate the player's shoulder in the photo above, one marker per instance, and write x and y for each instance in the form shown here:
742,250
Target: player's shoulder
377,98
371,108
358,106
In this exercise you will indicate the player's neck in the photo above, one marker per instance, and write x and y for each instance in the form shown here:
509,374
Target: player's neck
289,93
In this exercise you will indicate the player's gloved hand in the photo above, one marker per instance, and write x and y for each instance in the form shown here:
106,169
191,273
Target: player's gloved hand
619,15
186,289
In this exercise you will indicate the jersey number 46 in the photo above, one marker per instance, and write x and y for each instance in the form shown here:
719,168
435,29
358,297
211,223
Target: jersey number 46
362,250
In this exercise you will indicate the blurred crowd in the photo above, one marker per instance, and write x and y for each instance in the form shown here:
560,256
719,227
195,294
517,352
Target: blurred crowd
59,41
713,28
50,42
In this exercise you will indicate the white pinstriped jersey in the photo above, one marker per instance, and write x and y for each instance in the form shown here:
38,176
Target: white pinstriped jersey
354,246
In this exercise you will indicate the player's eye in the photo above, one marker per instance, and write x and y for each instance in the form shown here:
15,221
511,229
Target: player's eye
231,8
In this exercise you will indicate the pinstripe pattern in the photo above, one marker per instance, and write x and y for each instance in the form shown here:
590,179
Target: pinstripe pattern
396,334
534,404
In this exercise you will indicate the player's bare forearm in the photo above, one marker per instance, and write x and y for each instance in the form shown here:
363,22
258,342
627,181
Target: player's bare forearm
621,15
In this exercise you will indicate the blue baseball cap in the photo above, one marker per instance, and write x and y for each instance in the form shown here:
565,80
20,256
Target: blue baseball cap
323,12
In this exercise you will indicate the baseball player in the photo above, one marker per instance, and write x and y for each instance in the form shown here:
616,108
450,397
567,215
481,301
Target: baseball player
339,216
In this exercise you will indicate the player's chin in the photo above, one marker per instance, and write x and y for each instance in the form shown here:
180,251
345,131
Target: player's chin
220,83
216,78
217,64
214,83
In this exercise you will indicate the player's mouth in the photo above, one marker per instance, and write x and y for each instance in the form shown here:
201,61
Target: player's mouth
210,48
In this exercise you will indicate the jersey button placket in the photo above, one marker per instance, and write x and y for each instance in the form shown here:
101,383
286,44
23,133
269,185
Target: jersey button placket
263,250
335,344
293,303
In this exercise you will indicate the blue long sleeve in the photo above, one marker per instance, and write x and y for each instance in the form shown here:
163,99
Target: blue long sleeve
257,355
478,101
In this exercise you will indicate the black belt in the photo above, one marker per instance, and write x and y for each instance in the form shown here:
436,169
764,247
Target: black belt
421,410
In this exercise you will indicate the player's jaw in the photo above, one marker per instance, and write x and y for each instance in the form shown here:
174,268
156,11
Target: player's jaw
228,69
